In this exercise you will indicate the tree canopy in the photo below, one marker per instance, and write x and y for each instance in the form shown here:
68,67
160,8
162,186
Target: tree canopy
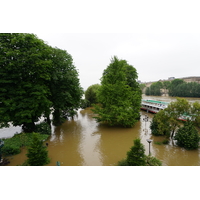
91,94
119,95
176,88
136,156
30,70
167,121
187,136
37,152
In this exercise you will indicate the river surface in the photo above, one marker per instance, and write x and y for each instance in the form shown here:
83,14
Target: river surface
84,142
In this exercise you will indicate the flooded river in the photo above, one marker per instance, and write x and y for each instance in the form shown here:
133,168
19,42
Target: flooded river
84,142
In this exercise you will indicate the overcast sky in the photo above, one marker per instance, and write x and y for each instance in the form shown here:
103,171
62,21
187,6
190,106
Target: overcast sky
155,56
161,39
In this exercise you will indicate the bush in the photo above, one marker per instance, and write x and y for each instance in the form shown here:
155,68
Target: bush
136,156
165,141
11,149
187,136
37,153
152,161
13,145
158,143
43,128
122,162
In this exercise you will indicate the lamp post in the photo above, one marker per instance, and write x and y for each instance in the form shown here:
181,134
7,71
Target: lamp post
1,145
149,141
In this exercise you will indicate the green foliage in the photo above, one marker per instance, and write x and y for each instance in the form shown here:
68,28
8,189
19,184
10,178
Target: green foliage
154,89
37,153
64,85
13,145
166,122
119,95
165,141
158,143
25,70
43,128
122,162
160,124
36,79
173,85
91,94
195,113
11,149
180,88
142,86
152,161
187,136
136,155
84,103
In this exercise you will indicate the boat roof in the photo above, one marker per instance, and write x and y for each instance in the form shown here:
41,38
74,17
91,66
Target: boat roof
153,101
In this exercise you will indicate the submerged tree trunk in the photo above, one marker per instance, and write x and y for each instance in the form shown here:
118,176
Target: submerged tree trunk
56,117
29,127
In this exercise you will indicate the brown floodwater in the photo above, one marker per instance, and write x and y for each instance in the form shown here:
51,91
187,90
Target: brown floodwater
84,142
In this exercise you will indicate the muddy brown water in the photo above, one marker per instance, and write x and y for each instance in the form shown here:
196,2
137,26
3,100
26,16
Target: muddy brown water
84,142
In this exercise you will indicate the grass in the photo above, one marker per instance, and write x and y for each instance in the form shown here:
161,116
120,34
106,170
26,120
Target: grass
12,146
165,141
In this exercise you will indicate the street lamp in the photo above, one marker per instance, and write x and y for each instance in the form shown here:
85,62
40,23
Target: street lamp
149,141
1,145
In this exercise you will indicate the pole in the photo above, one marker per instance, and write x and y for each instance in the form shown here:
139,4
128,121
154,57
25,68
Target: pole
149,149
149,141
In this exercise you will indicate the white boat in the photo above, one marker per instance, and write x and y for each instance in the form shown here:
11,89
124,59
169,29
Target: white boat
153,106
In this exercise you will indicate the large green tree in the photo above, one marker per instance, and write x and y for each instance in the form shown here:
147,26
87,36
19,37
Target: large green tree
36,80
119,95
64,85
166,122
24,71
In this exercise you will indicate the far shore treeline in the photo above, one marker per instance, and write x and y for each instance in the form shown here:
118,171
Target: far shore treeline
175,88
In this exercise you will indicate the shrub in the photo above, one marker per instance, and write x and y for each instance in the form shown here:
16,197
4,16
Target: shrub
37,153
165,141
13,145
158,143
152,161
136,156
187,136
10,150
122,162
43,128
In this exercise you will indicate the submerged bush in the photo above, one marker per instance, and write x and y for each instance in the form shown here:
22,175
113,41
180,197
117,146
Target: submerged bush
43,128
152,161
13,145
136,157
187,136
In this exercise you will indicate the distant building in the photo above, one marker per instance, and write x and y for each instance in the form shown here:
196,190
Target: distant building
171,78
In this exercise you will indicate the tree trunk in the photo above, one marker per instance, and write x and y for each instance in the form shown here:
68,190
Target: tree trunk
29,127
56,118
